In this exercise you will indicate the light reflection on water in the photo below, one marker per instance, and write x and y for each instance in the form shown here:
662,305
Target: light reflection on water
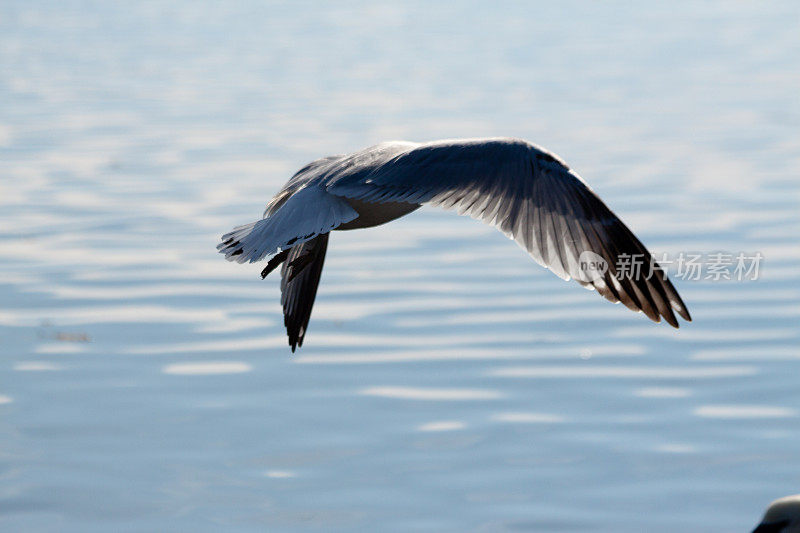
447,383
744,411
207,368
408,393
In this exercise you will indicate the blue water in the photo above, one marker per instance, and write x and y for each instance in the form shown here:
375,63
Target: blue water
448,383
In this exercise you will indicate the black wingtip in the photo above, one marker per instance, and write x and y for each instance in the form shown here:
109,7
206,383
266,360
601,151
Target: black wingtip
680,308
274,262
670,319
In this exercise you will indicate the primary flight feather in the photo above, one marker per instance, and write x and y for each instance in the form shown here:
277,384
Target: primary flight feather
526,192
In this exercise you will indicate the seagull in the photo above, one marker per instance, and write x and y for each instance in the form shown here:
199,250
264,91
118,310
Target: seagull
525,191
782,516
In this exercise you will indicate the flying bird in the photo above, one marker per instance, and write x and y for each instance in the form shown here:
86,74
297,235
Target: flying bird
782,516
523,190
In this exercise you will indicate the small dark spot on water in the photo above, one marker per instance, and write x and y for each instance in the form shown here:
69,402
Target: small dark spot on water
72,337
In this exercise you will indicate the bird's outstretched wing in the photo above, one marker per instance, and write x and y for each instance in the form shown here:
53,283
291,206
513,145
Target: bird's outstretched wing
531,196
300,275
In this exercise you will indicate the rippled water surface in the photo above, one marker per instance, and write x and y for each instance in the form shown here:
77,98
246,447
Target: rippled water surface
448,383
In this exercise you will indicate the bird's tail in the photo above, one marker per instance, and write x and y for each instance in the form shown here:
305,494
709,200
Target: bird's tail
308,212
235,241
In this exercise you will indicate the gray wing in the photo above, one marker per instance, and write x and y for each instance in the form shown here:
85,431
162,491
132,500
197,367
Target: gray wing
300,273
532,197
